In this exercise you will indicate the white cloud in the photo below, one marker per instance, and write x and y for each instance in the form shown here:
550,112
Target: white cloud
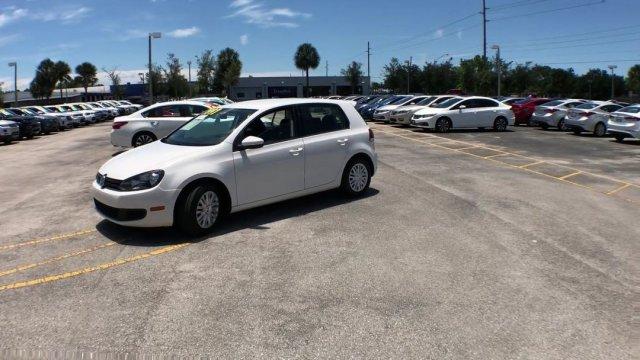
259,14
244,39
183,33
65,16
438,34
11,14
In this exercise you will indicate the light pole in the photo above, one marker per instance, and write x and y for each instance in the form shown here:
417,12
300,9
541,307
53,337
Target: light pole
15,82
153,35
189,63
612,68
497,49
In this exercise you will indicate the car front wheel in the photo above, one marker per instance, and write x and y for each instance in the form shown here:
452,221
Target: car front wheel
443,125
500,124
200,210
356,177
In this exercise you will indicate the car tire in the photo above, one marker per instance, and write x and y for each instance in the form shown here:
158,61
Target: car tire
356,177
443,125
143,138
561,126
619,137
7,142
576,132
500,124
198,213
600,130
544,126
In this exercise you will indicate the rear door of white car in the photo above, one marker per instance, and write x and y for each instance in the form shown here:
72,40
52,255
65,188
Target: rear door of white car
275,169
488,111
327,138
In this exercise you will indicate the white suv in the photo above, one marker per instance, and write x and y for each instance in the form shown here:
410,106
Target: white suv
237,157
153,122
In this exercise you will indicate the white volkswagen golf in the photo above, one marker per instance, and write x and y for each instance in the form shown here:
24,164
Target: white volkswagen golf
237,157
465,112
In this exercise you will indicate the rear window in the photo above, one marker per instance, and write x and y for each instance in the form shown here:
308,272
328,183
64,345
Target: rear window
587,106
630,109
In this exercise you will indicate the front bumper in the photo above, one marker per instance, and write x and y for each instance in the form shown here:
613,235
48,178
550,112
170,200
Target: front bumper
9,137
133,208
632,130
425,123
120,138
403,119
548,119
381,116
579,124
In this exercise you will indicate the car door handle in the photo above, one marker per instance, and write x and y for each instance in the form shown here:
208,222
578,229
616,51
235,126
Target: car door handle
343,142
296,152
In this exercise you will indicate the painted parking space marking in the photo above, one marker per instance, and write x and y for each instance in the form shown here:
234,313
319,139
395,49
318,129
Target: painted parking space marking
49,239
87,270
54,259
480,151
599,183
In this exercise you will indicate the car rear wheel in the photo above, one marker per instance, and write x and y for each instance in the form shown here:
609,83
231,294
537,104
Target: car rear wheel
576,132
500,124
356,177
443,125
600,130
199,212
143,138
561,125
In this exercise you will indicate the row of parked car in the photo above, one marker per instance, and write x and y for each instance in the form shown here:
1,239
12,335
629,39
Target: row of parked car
445,112
18,123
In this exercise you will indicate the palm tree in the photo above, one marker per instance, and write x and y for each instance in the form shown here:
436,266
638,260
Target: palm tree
86,75
306,58
62,73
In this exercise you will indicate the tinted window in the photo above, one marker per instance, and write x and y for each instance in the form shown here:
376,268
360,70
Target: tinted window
631,109
272,127
572,104
426,101
169,111
209,128
470,104
486,103
322,118
553,103
611,108
415,101
448,103
587,106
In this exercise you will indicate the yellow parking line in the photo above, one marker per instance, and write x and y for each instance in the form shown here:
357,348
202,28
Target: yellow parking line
530,164
53,238
54,259
492,156
467,148
619,189
90,269
570,175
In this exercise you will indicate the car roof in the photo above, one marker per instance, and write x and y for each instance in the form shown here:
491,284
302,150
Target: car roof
265,104
180,102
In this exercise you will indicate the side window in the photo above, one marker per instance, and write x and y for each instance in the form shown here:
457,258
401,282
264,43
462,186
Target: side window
198,109
415,101
469,104
611,108
272,127
572,105
322,118
164,111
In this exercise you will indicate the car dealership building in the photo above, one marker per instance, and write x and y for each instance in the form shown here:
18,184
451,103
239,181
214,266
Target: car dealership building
249,88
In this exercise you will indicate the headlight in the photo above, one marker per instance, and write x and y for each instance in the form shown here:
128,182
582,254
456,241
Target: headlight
142,181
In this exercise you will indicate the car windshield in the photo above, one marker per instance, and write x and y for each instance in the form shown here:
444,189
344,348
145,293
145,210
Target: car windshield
66,108
6,112
553,103
209,128
426,101
448,103
400,100
587,106
630,109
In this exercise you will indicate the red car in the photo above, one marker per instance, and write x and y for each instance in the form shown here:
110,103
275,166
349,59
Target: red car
524,109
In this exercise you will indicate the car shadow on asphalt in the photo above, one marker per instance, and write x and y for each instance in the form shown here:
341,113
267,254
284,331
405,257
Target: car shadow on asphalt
256,219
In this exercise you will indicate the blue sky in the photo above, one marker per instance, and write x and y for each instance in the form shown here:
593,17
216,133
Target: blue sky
112,34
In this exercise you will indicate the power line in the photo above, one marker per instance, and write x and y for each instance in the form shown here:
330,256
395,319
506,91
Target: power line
581,45
516,4
574,40
548,11
578,34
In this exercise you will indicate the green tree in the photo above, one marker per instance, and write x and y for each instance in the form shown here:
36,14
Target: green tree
44,82
116,82
62,72
206,71
228,69
476,76
158,80
633,79
394,75
353,74
177,85
305,58
438,78
86,75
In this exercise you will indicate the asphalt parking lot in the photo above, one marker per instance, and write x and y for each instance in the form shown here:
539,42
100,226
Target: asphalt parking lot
472,244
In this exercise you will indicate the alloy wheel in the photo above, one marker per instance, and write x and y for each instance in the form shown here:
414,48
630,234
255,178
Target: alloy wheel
207,209
600,130
358,177
143,139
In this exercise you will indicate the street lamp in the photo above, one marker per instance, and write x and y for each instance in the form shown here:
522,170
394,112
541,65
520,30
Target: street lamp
612,68
153,35
497,49
15,82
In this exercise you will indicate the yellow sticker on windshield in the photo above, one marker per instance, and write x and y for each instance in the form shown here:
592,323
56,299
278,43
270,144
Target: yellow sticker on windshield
212,111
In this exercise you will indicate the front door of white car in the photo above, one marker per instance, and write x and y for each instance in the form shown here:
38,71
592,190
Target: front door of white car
276,168
327,138
464,114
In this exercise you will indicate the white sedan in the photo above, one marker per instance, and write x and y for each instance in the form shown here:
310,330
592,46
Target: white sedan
238,157
465,112
153,122
625,123
591,117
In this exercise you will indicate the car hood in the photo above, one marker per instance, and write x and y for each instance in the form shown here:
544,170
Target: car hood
430,110
154,156
7,122
387,107
411,107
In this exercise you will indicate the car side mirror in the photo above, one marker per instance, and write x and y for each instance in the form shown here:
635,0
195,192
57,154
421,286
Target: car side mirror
462,107
251,142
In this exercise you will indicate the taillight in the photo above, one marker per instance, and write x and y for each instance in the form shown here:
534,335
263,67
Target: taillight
588,113
118,124
371,136
631,118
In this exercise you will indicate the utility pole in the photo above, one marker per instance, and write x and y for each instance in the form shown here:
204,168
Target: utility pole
499,63
409,75
189,63
326,68
613,76
369,64
153,35
484,30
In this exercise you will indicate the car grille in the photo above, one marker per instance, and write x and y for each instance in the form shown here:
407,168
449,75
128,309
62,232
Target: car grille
120,214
